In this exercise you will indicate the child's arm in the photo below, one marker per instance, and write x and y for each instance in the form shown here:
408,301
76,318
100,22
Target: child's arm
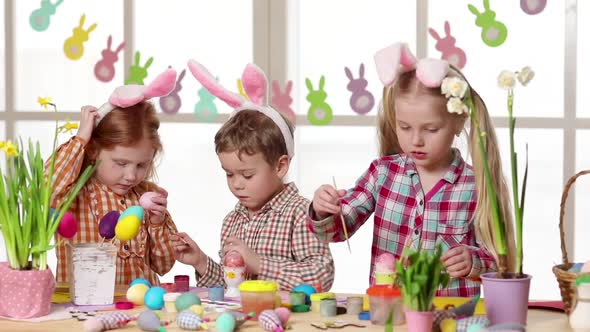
207,272
356,206
161,249
311,261
481,261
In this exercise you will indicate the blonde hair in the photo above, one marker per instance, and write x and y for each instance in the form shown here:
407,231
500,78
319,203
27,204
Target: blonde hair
408,86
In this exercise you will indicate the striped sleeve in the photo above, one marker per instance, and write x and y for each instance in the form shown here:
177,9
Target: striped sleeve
161,250
69,158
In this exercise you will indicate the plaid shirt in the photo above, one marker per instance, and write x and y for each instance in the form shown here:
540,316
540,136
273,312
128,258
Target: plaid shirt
290,253
141,257
406,216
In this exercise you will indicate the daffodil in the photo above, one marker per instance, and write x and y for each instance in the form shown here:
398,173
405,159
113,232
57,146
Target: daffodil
68,126
10,149
44,102
2,144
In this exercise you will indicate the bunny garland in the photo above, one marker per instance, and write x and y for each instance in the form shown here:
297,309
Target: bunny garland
132,94
397,58
493,32
450,52
171,103
256,88
74,46
40,18
104,70
361,101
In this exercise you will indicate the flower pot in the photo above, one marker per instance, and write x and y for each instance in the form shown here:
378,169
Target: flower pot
25,293
506,300
419,321
92,268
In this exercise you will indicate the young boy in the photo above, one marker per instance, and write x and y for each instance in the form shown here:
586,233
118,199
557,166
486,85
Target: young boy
268,226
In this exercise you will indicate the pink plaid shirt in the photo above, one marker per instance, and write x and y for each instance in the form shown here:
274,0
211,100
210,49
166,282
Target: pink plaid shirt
406,216
290,253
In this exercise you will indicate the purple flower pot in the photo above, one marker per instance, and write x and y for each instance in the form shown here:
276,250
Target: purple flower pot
506,300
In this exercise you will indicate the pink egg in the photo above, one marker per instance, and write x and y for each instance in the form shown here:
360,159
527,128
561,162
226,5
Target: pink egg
284,315
68,226
146,200
233,259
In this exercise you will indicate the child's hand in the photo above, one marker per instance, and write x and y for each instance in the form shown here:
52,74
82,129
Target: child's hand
158,212
186,250
457,261
87,118
251,258
326,201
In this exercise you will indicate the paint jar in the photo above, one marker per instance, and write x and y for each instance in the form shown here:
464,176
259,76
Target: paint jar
317,298
297,298
354,305
182,283
169,287
383,299
170,301
216,293
328,307
258,295
92,270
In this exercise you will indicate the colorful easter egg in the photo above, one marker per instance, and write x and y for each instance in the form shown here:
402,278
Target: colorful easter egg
270,321
146,200
284,315
187,320
127,227
135,210
225,322
68,226
186,300
154,298
107,224
140,281
136,293
233,259
148,321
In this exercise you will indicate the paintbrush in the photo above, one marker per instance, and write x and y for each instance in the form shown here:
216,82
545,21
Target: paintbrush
342,218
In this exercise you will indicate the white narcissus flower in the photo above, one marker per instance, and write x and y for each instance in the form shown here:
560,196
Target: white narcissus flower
525,75
507,80
455,105
453,87
444,87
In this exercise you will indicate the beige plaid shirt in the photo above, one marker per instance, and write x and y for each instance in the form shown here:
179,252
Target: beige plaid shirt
150,252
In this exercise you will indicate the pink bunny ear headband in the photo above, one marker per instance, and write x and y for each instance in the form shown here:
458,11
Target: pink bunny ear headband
256,88
132,94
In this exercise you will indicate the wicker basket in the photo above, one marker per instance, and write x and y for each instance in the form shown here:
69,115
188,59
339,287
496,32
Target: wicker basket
564,277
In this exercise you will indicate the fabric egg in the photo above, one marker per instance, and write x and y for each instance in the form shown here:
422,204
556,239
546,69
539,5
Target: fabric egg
93,324
140,281
197,309
134,210
186,300
107,224
187,320
225,322
146,200
270,321
149,321
136,293
68,226
127,227
154,298
284,315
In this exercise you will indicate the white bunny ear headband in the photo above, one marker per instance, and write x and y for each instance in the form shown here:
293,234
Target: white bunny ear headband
256,88
132,94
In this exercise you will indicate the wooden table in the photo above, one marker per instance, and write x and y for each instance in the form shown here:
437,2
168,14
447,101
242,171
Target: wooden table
538,320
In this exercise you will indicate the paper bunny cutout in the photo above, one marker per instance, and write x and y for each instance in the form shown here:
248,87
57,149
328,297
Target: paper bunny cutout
493,32
361,101
453,54
397,58
171,103
256,88
138,73
40,18
131,94
104,70
282,102
533,7
319,112
74,46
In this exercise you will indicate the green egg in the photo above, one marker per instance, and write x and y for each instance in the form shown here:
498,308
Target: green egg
186,300
134,210
225,322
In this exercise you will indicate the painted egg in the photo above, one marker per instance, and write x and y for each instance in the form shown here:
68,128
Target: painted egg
187,320
149,321
127,228
154,298
284,315
225,322
233,259
186,300
136,293
134,210
140,281
107,224
146,200
68,226
269,320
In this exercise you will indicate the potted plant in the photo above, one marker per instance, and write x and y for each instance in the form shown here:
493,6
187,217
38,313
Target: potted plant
28,227
422,275
507,290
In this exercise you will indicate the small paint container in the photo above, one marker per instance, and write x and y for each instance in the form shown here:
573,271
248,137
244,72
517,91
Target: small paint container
317,298
297,298
169,287
258,295
328,308
383,300
354,305
216,293
170,301
182,283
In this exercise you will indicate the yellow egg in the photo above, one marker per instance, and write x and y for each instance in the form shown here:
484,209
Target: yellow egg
448,325
136,293
127,227
197,309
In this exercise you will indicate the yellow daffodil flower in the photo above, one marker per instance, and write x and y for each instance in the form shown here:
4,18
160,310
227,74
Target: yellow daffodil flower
10,149
2,145
44,101
68,127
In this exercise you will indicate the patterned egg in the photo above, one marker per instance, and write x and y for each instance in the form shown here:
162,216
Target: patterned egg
134,210
149,321
154,298
107,224
225,322
68,226
188,320
146,201
270,321
284,315
127,227
136,293
186,300
140,281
